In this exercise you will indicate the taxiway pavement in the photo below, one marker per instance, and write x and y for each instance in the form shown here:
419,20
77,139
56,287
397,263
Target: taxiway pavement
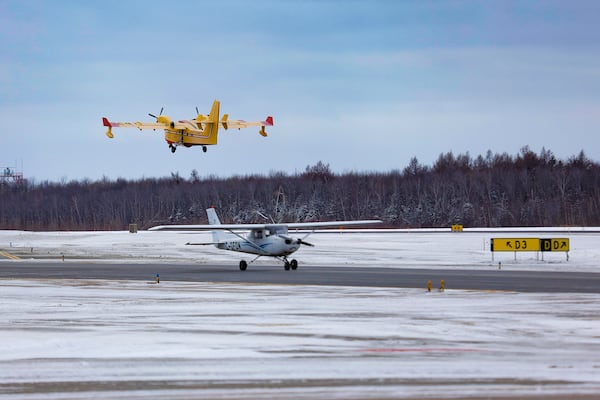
469,279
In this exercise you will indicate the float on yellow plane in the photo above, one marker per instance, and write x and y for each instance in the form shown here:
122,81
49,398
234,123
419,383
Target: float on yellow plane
200,131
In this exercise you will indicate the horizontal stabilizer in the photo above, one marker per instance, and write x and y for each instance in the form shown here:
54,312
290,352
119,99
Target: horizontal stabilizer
224,121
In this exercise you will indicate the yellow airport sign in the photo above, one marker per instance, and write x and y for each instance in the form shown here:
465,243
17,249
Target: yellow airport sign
555,244
515,244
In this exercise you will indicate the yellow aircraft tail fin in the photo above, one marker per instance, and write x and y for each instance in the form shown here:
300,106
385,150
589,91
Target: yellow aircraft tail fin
212,127
214,112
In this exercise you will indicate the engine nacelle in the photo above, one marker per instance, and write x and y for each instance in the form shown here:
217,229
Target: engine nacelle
163,119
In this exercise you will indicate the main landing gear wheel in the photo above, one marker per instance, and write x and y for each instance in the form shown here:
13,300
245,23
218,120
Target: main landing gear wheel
173,148
243,265
204,149
290,264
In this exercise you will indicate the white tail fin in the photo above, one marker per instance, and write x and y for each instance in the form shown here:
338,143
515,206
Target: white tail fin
213,219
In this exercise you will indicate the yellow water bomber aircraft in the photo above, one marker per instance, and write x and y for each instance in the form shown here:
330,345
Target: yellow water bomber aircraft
200,131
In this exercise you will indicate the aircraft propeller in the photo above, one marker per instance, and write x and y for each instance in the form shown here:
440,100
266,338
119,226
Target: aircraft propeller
291,239
154,116
300,241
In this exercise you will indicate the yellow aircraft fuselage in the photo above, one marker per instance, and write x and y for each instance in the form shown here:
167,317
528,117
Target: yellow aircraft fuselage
196,132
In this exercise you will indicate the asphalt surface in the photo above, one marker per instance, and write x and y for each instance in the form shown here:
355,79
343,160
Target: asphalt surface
475,279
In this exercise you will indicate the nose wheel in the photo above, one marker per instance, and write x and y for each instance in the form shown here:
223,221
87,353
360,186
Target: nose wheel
173,148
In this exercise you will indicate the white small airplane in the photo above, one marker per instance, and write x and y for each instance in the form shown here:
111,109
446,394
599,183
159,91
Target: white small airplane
269,240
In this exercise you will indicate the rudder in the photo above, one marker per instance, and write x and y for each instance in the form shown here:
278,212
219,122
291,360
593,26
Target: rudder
213,219
213,126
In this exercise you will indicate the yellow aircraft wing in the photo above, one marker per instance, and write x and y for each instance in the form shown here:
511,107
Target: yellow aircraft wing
189,125
239,123
139,125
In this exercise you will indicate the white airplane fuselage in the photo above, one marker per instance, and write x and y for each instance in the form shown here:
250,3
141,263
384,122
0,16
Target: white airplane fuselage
268,242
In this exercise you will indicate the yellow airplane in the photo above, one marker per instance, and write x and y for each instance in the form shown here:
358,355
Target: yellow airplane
200,131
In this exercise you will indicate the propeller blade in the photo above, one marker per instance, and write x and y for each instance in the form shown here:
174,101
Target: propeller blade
159,114
300,241
197,112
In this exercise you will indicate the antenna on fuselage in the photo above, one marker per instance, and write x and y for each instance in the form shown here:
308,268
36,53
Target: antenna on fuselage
265,217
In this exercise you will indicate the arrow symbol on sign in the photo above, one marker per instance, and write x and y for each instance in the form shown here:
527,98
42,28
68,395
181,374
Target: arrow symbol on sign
563,245
509,244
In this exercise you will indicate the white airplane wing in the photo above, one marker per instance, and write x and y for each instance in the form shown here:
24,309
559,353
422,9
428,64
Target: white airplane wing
238,227
224,227
332,224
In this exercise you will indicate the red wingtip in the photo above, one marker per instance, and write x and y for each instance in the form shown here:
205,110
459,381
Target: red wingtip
269,121
105,121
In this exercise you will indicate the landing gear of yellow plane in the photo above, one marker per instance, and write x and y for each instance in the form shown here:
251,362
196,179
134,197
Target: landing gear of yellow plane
173,148
204,149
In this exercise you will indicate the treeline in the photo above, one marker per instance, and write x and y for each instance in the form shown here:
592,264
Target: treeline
494,190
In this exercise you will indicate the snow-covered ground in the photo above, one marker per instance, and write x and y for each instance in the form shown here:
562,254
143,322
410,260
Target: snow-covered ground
125,339
397,248
77,339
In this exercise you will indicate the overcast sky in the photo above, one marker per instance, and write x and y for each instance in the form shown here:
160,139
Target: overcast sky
360,85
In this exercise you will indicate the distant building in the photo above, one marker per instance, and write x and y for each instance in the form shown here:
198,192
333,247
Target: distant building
9,176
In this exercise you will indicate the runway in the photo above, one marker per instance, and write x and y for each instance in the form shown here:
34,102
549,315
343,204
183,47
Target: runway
476,279
93,328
